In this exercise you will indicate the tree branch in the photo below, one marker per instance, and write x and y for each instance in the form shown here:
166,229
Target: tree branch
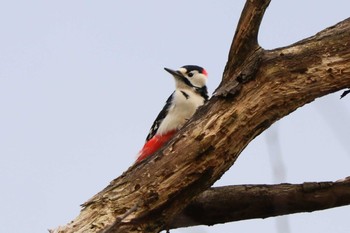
241,202
266,86
242,64
246,36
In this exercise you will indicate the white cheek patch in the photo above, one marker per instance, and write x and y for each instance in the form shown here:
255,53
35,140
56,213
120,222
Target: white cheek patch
198,80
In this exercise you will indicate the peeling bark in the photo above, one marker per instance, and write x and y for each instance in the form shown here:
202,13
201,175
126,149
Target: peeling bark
259,87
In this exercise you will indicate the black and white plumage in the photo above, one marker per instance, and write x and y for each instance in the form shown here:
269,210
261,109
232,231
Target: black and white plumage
184,101
190,93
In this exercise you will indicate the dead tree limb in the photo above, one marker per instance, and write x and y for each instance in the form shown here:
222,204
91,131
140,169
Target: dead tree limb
240,202
259,87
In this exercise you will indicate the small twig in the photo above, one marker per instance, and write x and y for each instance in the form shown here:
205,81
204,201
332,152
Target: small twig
344,93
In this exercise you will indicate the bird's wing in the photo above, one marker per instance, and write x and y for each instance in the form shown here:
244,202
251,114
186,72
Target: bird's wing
159,119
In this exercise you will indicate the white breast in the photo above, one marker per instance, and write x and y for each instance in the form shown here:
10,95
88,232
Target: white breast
185,105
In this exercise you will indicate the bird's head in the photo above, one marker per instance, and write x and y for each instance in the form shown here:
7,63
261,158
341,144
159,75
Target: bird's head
189,76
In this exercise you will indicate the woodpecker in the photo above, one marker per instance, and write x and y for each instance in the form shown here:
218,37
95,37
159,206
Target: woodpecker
190,93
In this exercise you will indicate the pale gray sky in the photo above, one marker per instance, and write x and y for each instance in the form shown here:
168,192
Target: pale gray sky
82,81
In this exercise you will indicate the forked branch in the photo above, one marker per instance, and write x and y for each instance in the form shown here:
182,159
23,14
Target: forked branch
259,87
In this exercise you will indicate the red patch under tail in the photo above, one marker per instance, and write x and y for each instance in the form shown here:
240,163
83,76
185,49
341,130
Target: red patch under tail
154,144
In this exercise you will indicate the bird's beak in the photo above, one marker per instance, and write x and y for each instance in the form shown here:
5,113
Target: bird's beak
175,73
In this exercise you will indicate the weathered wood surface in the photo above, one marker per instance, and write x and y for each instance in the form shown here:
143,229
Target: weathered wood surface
258,88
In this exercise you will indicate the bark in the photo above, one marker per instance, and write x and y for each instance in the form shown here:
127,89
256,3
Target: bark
240,202
258,88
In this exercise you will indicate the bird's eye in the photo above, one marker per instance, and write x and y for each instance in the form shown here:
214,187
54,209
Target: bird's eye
190,74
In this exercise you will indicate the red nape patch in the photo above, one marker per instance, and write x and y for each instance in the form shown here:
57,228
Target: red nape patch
205,72
153,145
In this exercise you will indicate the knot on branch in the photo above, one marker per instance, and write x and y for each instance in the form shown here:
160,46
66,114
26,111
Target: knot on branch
234,77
